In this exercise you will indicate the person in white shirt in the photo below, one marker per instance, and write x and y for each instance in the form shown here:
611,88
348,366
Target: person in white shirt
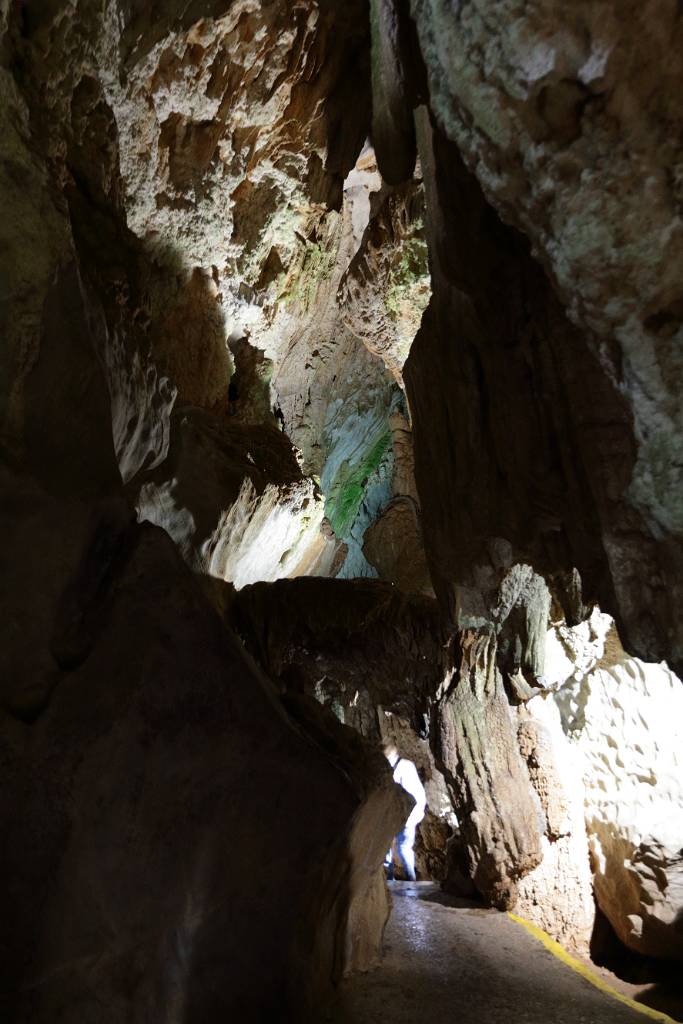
405,774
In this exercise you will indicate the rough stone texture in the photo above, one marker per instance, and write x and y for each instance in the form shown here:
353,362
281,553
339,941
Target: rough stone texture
476,737
539,440
523,454
233,499
154,159
141,405
457,880
393,542
372,656
498,811
387,287
431,845
335,396
363,635
234,133
557,895
190,339
623,717
393,130
368,899
216,220
202,155
197,165
535,436
196,257
570,116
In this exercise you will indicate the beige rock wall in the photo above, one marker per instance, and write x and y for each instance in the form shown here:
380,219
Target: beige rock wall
558,894
569,117
622,717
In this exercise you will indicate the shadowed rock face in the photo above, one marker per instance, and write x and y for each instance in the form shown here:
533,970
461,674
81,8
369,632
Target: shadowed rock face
222,306
545,137
142,877
539,450
359,635
535,432
540,440
233,498
146,878
571,118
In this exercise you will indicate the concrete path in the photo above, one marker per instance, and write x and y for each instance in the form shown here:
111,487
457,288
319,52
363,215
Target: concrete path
450,962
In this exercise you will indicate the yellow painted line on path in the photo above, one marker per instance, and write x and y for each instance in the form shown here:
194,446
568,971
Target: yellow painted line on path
557,950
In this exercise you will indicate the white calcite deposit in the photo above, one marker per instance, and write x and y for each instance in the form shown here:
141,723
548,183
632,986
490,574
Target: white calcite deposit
624,718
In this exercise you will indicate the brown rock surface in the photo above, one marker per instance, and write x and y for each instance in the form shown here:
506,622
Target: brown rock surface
363,635
393,545
145,875
523,454
208,293
498,812
558,894
137,867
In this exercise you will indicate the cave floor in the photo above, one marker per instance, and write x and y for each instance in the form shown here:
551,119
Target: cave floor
448,960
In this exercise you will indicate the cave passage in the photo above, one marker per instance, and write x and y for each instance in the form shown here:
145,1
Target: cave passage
449,959
340,410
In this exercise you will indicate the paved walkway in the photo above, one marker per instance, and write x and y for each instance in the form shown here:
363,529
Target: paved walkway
450,962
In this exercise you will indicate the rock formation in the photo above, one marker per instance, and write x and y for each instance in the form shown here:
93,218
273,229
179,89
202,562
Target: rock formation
338,403
533,436
138,846
233,499
353,636
136,734
623,718
557,895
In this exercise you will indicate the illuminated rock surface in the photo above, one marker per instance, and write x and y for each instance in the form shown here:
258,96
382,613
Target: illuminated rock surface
623,718
340,362
233,499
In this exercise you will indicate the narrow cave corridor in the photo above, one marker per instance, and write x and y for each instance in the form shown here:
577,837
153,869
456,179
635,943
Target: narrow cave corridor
341,510
443,952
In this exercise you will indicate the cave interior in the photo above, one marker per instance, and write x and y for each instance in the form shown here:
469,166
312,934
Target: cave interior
339,407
